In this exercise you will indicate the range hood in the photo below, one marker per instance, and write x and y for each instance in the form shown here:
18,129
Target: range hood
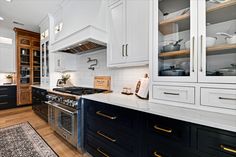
85,40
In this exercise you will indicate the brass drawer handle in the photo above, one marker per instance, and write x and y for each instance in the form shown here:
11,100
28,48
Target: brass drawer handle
106,116
228,149
101,152
3,89
3,103
222,98
105,136
4,95
156,154
162,129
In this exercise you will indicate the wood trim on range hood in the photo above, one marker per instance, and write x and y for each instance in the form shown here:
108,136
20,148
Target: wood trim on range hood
86,40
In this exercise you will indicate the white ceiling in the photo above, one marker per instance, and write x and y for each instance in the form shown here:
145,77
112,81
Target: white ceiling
28,12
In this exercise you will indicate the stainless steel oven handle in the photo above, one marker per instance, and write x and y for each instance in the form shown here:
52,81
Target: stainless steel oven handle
60,108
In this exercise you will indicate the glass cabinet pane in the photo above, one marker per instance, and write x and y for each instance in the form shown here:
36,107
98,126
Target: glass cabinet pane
25,66
47,59
43,60
36,67
174,38
221,38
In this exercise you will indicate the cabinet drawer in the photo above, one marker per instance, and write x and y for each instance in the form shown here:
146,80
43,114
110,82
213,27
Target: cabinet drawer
166,149
120,141
222,98
176,94
8,92
100,149
160,128
119,118
217,144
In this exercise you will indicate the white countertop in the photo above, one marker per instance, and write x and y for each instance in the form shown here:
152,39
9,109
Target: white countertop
42,87
211,119
7,85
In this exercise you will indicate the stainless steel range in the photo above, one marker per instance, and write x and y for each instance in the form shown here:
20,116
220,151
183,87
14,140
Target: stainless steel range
65,112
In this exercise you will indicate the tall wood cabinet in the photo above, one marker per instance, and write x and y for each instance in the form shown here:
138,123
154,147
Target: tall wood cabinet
28,64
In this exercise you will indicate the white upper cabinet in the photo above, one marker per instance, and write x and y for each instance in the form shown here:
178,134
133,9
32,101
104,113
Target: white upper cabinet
7,59
217,41
207,34
128,43
117,33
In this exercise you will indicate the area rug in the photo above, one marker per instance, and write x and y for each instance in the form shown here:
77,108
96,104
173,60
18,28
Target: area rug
22,140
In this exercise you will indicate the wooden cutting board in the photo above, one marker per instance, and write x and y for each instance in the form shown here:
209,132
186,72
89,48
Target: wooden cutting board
102,82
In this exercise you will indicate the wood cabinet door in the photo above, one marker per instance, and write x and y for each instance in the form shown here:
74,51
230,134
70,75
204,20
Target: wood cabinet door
117,30
24,97
137,25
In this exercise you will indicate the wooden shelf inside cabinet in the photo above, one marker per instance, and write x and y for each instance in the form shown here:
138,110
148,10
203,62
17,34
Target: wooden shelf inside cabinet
174,53
221,47
223,10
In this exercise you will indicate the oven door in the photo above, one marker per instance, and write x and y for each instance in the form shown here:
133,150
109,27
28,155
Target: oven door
65,122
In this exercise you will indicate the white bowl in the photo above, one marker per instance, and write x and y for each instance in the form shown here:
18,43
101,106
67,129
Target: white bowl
210,41
187,45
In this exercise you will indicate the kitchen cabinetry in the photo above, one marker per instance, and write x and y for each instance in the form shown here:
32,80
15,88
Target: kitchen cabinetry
7,59
45,61
111,131
39,106
116,131
129,35
7,97
28,64
202,55
65,62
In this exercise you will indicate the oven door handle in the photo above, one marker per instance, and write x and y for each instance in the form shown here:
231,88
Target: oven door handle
60,108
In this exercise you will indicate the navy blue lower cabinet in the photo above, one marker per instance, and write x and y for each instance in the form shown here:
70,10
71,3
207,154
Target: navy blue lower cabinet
7,97
112,131
215,143
38,102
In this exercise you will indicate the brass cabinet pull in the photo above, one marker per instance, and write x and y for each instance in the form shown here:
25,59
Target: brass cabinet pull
227,98
4,95
201,70
193,46
123,50
106,116
228,149
156,154
101,152
126,50
3,103
162,129
105,136
171,93
3,89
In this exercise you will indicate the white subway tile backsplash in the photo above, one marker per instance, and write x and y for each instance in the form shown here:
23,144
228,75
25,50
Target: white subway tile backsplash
121,77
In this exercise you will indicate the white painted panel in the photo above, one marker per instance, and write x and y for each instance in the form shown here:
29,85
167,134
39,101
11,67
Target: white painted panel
174,93
219,98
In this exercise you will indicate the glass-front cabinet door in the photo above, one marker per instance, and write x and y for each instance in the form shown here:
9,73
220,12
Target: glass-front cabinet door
36,66
25,68
45,62
175,41
217,41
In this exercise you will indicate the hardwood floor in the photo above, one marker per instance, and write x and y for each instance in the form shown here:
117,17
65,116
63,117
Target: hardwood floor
24,114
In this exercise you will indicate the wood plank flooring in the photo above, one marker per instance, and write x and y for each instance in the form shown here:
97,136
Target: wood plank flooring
24,114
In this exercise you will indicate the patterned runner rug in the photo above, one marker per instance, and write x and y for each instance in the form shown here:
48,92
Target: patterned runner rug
22,140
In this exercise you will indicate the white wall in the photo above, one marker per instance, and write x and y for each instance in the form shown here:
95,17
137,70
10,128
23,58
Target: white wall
8,33
121,77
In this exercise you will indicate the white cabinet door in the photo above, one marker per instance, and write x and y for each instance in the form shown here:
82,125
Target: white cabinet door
175,41
7,59
217,57
117,32
137,44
